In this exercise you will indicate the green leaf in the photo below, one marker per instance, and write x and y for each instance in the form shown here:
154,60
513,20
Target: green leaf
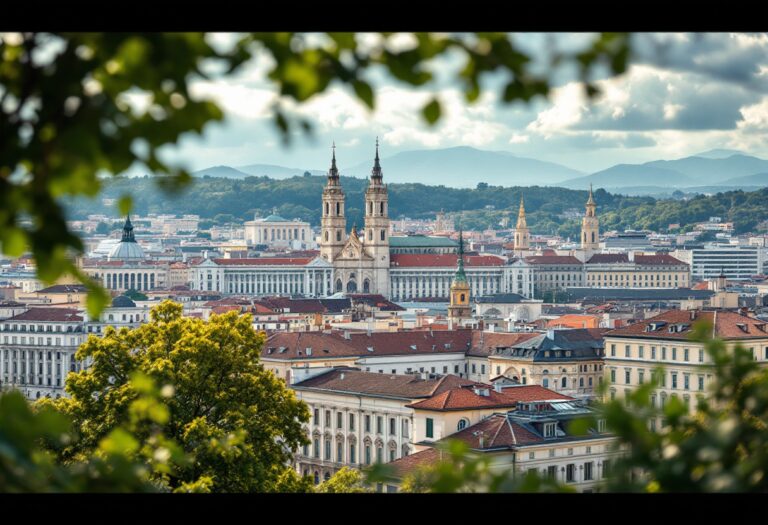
364,92
431,111
119,442
124,204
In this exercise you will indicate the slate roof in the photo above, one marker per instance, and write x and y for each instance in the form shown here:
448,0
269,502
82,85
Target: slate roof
414,241
265,261
501,298
447,260
64,288
603,295
552,259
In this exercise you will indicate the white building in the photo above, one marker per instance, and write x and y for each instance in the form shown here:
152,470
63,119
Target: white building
279,233
738,263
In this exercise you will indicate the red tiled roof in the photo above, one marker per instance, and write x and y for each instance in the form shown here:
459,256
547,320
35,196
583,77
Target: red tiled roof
334,344
727,325
265,261
49,314
484,343
466,398
552,259
408,386
700,286
447,260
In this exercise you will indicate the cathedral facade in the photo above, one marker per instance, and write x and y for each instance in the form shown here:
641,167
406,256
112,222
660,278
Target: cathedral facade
360,262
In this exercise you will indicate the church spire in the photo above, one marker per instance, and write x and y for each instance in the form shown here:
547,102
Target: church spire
128,230
460,275
591,200
333,173
376,171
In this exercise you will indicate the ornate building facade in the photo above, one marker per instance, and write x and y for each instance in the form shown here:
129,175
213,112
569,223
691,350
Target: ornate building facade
360,264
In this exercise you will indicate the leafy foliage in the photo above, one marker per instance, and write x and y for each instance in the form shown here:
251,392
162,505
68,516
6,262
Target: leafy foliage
346,480
238,421
119,462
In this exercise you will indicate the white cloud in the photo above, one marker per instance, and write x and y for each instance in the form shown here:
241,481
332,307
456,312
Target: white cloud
567,108
250,103
519,139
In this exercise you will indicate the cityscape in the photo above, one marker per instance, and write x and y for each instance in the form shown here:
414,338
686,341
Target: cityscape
352,330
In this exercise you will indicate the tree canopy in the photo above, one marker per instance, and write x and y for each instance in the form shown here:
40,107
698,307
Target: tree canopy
239,423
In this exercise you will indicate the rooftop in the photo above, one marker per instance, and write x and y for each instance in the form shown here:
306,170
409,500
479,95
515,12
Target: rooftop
64,315
679,325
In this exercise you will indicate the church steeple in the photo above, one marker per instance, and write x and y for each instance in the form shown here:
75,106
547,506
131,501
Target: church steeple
522,235
459,307
128,230
333,172
376,171
333,220
590,227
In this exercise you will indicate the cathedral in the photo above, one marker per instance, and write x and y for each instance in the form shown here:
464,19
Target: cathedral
360,263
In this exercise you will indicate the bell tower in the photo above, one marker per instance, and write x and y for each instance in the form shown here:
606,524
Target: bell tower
460,306
590,228
522,235
376,240
333,221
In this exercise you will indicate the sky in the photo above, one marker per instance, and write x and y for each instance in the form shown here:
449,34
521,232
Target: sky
683,94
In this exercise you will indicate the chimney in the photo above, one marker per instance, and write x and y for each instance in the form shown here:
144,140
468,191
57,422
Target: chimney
551,334
497,387
347,335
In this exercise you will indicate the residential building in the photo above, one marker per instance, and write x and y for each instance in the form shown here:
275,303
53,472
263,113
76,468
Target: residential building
636,270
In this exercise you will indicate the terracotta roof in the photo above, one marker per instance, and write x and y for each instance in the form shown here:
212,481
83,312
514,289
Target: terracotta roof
67,315
448,260
222,309
552,259
265,261
484,343
466,398
406,386
727,325
362,344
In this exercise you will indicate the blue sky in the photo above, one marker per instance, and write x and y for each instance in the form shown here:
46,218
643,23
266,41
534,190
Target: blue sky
683,94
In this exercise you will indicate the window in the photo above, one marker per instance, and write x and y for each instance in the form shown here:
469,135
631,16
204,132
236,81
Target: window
674,380
405,428
570,473
328,449
392,427
456,369
544,382
613,350
482,369
552,472
701,382
339,420
352,422
570,452
551,452
613,375
367,423
327,418
686,381
391,454
653,352
606,468
701,355
317,417
462,424
640,351
549,429
474,368
379,425
663,353
317,448
626,351
430,428
367,454
379,455
588,471
352,453
531,455
640,376
627,376
339,452
674,354
685,354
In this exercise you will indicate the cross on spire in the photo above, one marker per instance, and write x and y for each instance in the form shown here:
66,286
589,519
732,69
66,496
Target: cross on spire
333,173
376,171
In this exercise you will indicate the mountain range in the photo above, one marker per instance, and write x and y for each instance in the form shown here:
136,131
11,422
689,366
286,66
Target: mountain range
465,167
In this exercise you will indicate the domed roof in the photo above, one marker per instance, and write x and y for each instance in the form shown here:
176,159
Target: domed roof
126,251
123,301
127,248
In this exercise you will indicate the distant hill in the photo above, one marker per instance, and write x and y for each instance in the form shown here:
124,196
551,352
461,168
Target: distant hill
758,179
275,172
719,153
220,171
465,167
682,173
625,175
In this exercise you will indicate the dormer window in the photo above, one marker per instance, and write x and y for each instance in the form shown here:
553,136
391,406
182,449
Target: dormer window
309,351
601,425
549,430
413,347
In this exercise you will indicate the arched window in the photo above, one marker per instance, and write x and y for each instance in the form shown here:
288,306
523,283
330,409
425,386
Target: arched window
462,298
366,286
581,382
338,285
326,235
383,234
381,208
351,286
545,382
338,235
338,208
593,236
370,208
327,476
327,209
463,423
563,382
317,478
